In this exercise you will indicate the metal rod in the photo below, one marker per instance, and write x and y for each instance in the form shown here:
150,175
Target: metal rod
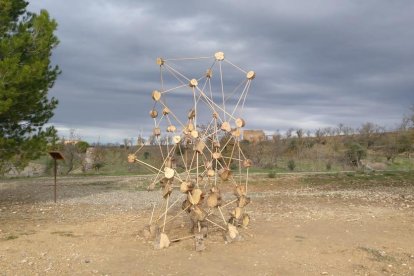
221,213
247,178
228,203
183,238
182,211
212,222
169,207
55,172
152,214
166,210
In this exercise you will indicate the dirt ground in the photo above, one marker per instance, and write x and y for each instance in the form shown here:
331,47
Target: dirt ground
300,225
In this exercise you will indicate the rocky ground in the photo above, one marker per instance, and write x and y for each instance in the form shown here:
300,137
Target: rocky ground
301,225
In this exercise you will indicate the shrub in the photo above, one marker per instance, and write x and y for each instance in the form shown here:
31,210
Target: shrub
329,166
271,174
354,153
309,143
180,150
146,155
293,144
233,166
82,146
404,143
291,165
98,165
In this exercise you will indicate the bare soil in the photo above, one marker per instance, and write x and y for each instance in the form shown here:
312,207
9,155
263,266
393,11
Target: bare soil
301,225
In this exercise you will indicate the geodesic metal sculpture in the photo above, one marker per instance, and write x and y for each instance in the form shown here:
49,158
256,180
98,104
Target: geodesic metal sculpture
199,146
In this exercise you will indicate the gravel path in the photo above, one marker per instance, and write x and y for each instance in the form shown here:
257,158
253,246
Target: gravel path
128,192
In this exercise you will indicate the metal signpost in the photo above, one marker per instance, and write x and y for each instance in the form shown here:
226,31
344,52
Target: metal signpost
56,156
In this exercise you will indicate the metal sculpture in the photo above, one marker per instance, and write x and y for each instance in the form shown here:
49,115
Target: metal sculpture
198,158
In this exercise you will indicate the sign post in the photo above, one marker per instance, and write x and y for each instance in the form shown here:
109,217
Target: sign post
56,156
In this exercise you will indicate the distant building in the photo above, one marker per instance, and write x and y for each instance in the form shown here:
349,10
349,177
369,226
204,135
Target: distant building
71,142
254,136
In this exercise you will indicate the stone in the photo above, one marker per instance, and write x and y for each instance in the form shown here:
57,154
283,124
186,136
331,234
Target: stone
161,241
199,242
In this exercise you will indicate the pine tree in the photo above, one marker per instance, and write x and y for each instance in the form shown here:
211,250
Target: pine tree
26,74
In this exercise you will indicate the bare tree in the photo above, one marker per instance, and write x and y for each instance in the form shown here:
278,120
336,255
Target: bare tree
340,129
368,132
164,140
320,134
127,142
299,133
289,132
408,120
347,130
329,131
140,140
73,149
152,140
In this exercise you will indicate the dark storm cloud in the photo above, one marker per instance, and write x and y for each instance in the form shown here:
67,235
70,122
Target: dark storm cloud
318,63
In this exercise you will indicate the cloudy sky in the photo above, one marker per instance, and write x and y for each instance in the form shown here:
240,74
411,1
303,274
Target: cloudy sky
317,63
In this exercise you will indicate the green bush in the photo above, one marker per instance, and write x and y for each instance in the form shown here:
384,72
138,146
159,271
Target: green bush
404,143
82,146
234,166
146,155
271,174
293,144
98,165
291,165
354,153
329,165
